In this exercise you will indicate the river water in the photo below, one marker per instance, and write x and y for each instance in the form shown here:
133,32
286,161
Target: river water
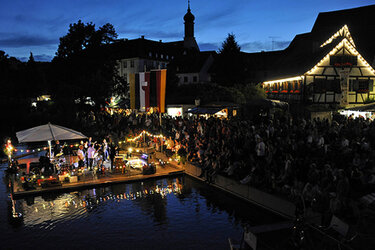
178,213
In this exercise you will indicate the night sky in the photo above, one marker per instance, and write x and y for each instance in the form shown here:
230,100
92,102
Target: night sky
36,26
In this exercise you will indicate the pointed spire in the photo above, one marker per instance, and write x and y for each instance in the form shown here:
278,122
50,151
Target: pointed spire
188,5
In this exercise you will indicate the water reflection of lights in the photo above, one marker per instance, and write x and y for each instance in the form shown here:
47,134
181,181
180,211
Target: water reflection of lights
70,205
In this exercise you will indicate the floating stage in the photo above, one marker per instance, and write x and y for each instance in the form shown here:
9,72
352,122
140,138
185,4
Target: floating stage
89,179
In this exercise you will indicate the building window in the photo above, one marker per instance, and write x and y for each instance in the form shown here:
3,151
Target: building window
185,79
125,64
167,57
150,54
131,63
156,55
360,85
161,56
172,57
323,85
195,79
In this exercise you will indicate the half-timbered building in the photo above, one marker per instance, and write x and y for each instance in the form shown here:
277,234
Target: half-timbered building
333,64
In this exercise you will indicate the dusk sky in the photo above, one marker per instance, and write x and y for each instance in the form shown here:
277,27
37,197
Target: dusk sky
36,26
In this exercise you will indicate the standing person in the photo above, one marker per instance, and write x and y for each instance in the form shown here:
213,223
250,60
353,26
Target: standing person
57,149
260,148
105,150
112,154
90,156
81,156
89,142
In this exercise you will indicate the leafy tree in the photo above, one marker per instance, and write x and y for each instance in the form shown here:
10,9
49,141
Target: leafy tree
84,67
84,36
76,40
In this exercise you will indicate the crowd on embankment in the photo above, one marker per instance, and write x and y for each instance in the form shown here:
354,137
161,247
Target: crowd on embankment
329,164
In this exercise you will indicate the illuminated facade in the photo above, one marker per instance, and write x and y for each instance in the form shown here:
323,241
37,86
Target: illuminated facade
328,66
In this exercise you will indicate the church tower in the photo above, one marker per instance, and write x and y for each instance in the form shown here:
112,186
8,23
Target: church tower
189,39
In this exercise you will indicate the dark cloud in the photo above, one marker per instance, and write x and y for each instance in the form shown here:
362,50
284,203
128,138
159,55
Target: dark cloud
37,58
150,34
20,40
281,44
257,46
43,58
209,46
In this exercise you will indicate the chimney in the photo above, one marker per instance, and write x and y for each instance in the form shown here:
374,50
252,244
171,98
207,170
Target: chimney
143,37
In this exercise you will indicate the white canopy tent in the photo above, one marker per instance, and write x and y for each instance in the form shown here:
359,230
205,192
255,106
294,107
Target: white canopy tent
48,132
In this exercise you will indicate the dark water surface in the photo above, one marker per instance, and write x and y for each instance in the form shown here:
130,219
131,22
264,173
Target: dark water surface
171,213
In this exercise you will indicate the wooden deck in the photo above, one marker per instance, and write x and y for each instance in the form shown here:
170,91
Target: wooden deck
91,180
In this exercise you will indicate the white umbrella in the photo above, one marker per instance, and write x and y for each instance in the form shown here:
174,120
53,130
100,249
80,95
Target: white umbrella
48,132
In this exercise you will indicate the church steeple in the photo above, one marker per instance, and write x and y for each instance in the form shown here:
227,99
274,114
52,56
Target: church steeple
189,39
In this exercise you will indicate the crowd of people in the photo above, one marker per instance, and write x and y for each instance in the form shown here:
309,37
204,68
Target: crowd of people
330,164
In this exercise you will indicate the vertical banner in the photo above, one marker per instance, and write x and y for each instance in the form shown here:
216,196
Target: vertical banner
147,90
132,90
158,83
163,83
137,89
142,93
153,83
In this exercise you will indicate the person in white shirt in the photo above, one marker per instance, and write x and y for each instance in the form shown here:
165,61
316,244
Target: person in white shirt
91,155
81,156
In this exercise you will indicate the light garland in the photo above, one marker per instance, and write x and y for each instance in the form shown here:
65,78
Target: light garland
40,149
296,78
144,132
344,31
352,50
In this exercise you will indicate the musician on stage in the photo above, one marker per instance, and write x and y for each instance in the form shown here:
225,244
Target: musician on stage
81,156
57,149
90,156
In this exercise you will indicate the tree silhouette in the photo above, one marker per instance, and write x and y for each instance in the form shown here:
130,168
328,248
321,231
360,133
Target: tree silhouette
31,58
84,66
229,67
230,47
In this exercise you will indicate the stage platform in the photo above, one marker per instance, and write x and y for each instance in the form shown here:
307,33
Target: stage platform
91,179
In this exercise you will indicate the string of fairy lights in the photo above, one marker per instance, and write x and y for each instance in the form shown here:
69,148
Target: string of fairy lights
35,150
144,132
90,202
77,144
